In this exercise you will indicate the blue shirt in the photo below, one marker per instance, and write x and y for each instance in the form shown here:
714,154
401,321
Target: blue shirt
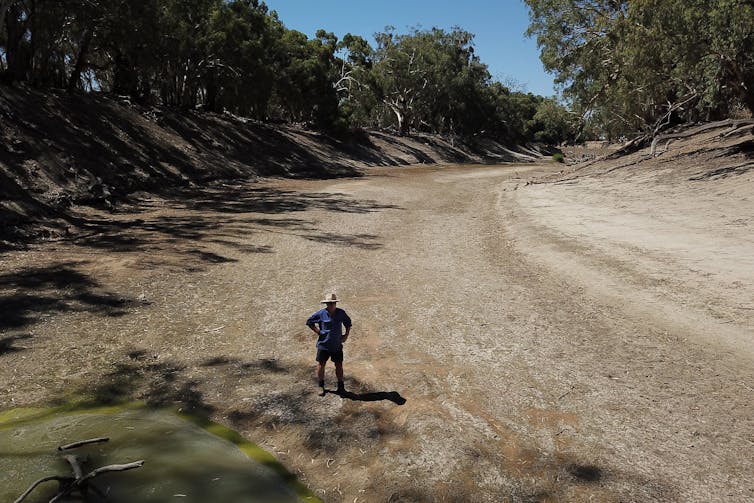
330,328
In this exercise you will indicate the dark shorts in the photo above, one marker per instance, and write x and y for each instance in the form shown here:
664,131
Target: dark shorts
323,355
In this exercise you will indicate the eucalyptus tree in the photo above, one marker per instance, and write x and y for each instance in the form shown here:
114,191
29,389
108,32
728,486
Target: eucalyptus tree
356,83
305,73
182,49
457,103
236,56
432,80
35,40
643,64
400,75
429,79
15,40
238,68
129,39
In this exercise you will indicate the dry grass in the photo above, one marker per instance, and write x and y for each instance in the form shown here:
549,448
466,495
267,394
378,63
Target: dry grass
552,342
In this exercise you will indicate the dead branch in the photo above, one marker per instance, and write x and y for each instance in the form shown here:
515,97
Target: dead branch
113,468
735,125
83,482
641,141
739,126
38,482
664,121
78,471
630,147
83,442
78,482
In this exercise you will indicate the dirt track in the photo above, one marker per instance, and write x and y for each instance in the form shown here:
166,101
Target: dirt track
583,341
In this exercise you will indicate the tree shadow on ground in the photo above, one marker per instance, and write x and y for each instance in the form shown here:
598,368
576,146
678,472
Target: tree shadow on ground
29,293
278,404
104,158
554,477
247,198
226,215
240,144
285,396
448,152
7,344
362,241
143,377
241,368
421,156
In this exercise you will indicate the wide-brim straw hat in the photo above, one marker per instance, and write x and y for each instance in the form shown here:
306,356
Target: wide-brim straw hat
330,297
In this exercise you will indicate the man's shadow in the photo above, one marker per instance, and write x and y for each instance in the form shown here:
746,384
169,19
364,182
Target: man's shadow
375,396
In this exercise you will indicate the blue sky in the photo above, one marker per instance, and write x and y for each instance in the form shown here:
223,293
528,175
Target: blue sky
499,26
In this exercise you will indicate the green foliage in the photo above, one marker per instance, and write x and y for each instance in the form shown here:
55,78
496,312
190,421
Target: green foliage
237,71
642,64
432,81
551,123
237,56
304,90
558,157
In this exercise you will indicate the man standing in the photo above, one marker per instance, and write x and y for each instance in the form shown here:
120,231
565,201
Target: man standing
327,323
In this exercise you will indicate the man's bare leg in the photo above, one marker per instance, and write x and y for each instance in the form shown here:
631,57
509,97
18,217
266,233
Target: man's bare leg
321,377
339,375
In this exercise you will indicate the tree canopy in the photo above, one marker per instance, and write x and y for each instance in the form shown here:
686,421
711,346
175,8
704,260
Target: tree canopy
636,65
238,56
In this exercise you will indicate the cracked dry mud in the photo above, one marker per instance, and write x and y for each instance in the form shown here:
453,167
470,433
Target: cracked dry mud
580,341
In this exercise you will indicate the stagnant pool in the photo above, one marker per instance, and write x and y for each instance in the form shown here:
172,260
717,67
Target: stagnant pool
186,459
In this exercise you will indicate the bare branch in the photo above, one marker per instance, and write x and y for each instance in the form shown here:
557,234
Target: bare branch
83,442
113,468
40,481
72,460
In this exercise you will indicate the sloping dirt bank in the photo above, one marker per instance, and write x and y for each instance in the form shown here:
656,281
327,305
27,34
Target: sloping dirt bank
521,332
58,151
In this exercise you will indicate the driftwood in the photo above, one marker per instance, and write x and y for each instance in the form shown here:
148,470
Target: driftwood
630,147
734,126
654,135
79,482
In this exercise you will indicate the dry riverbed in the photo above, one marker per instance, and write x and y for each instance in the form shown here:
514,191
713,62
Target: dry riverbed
585,339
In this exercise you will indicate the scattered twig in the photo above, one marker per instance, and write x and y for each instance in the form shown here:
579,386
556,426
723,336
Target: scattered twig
567,392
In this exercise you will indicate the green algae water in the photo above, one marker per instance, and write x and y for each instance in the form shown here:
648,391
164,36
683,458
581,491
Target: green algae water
186,459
